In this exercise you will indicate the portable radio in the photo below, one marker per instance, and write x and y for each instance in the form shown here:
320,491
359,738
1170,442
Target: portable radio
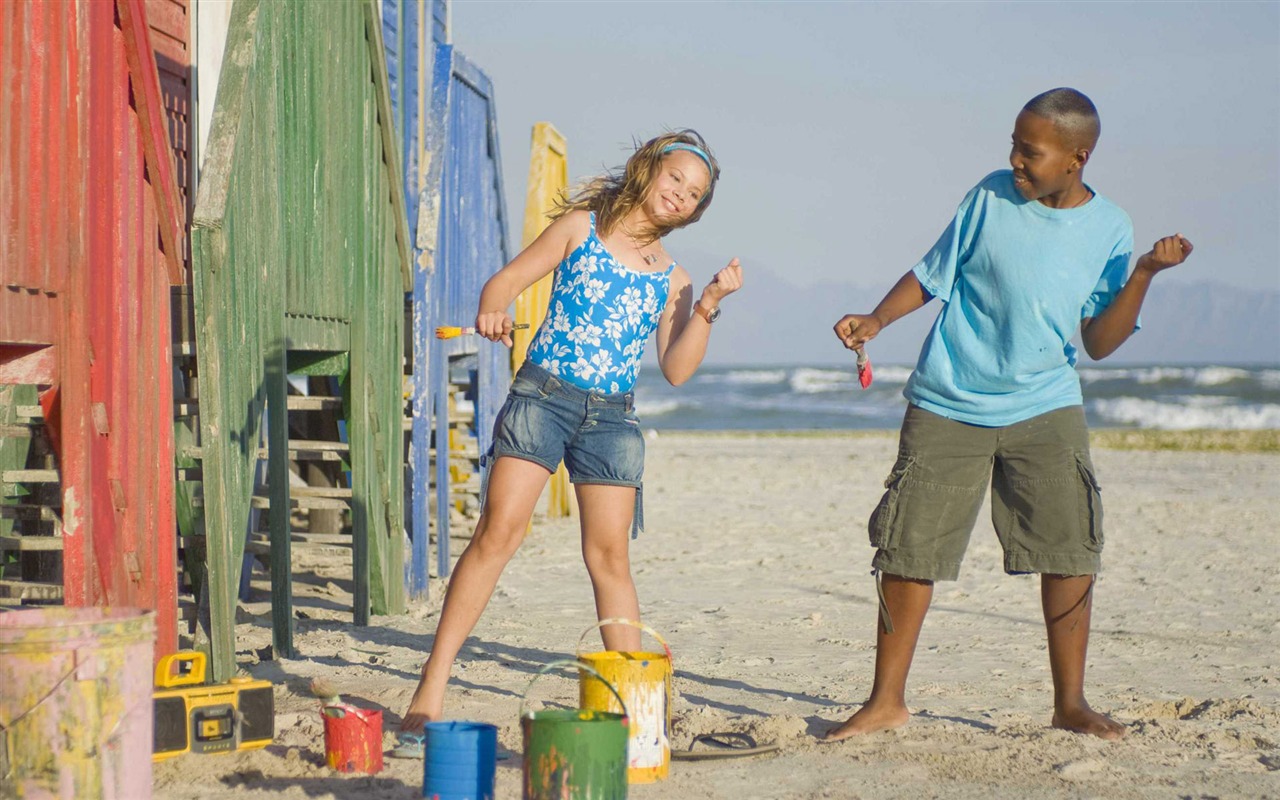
193,718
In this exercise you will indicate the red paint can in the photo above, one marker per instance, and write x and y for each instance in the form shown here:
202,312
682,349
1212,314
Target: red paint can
352,739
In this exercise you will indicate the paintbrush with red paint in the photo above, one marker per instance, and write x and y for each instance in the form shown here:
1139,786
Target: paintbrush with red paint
864,368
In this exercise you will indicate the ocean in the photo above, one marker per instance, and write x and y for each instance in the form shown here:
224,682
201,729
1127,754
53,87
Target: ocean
809,398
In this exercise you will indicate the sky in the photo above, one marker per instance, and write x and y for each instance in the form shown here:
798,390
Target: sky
848,132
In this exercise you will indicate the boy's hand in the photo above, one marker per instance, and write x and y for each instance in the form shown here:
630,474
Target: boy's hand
1168,252
855,330
495,326
724,283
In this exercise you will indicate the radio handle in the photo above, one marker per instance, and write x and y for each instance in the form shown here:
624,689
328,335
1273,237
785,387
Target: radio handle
185,668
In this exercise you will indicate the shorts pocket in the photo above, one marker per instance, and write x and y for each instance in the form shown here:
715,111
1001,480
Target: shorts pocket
883,525
1091,504
527,389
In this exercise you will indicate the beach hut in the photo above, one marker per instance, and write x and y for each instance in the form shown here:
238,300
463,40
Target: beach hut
91,240
300,263
411,31
445,120
548,181
462,231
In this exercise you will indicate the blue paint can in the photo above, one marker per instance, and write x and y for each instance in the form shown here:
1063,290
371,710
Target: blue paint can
459,760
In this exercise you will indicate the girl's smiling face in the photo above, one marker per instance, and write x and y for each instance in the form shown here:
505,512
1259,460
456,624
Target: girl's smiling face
1046,167
678,187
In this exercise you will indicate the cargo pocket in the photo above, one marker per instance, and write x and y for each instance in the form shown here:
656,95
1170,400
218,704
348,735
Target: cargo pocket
1091,505
883,527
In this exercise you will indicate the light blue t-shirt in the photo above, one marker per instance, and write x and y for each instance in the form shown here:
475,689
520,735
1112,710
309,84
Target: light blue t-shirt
1015,278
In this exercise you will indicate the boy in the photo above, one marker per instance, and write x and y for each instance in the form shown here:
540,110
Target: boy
1031,253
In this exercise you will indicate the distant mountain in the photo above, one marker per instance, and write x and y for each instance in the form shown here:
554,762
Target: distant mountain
773,321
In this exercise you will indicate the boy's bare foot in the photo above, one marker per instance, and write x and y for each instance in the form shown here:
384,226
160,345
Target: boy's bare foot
1085,720
870,719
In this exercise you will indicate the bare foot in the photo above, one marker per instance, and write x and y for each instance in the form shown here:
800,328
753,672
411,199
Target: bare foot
1085,720
870,719
422,710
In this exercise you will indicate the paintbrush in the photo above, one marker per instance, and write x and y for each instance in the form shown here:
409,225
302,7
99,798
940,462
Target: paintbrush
864,368
453,331
325,691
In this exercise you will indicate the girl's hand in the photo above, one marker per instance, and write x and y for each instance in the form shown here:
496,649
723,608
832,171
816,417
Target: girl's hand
1168,252
726,282
855,330
495,326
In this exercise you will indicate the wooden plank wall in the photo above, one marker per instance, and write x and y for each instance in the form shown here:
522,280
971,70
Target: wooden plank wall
407,35
548,181
91,244
300,248
462,231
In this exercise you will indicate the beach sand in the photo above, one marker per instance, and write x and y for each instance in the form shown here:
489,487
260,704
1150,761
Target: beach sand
755,566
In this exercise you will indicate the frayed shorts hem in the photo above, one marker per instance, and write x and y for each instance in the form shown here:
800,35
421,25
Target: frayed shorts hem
920,569
1049,564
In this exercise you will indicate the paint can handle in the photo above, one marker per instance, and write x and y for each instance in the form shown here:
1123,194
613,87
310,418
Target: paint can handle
624,621
568,662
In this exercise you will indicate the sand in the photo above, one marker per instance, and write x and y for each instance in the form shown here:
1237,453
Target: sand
755,567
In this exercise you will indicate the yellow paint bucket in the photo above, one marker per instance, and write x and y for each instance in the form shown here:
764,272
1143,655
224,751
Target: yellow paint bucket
643,681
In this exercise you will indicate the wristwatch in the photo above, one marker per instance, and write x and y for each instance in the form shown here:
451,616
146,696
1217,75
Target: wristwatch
710,316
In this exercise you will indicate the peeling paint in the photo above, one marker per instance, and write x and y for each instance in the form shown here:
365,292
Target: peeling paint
77,702
71,512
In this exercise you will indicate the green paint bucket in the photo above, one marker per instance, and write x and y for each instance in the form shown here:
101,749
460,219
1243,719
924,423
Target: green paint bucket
576,754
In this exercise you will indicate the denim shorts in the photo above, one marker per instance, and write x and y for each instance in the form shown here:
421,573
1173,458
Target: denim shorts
597,435
1046,504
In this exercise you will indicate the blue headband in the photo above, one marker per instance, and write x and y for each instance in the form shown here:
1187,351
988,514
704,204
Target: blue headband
697,151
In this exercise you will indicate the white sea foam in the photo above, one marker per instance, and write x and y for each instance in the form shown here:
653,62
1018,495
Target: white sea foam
816,381
1161,374
656,408
1198,376
1094,375
1217,376
1195,412
751,377
891,373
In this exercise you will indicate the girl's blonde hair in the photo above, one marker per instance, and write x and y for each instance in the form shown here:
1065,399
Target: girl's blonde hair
617,193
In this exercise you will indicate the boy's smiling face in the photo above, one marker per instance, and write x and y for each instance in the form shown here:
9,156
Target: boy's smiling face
1046,167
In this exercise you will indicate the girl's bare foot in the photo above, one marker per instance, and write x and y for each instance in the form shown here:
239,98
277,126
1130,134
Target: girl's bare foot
422,709
1082,719
870,719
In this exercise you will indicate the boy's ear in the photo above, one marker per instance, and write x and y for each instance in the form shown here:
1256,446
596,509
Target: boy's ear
1081,158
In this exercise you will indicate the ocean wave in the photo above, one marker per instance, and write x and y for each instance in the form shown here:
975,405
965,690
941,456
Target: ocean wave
1198,412
816,381
1151,375
1217,376
656,408
748,377
891,373
1196,376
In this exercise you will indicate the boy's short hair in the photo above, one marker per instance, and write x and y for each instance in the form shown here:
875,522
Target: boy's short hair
1072,113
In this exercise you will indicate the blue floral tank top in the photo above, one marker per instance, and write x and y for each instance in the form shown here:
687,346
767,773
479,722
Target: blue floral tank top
599,318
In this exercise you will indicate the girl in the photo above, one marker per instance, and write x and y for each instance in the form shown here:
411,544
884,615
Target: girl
572,400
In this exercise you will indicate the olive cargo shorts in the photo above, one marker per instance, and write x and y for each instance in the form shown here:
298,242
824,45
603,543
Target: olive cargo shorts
1045,501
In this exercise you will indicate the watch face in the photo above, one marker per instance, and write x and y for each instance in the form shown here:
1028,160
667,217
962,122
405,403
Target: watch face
715,314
